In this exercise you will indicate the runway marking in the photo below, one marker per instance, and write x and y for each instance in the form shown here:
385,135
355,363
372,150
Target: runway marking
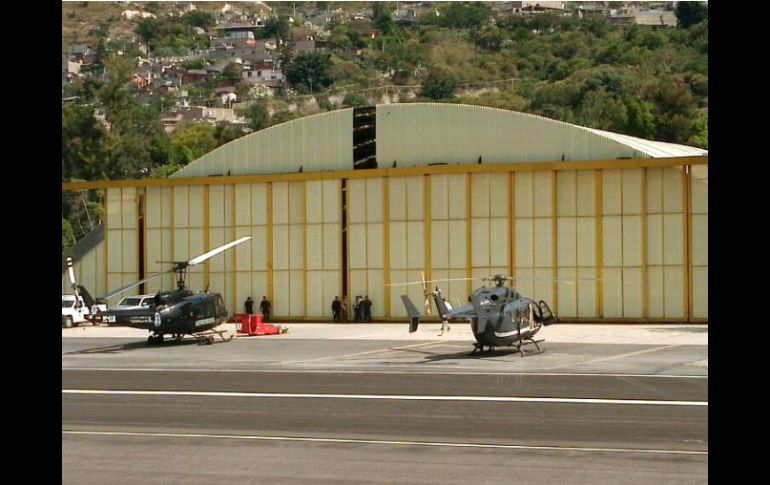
612,357
385,372
384,442
357,354
387,397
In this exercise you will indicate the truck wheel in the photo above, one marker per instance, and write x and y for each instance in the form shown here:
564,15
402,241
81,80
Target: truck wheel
68,322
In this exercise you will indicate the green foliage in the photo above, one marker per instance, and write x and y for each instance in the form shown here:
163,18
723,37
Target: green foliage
191,141
690,13
83,139
225,132
600,109
163,171
257,115
458,16
232,71
700,133
310,72
199,18
438,85
275,27
381,13
173,35
354,100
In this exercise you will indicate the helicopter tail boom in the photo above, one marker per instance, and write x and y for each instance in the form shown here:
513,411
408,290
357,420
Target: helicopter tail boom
414,314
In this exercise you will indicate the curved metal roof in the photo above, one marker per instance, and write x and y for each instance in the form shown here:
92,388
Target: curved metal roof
419,134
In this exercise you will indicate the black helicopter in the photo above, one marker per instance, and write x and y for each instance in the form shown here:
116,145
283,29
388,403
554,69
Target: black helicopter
177,312
499,316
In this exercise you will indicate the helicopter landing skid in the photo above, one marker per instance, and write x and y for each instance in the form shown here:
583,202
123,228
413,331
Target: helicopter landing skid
529,341
208,337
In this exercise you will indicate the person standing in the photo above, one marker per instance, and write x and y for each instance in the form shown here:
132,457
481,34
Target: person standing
357,309
248,306
345,314
337,309
264,307
367,304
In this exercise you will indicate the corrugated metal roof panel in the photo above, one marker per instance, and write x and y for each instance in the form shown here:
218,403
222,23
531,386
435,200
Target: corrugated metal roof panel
419,134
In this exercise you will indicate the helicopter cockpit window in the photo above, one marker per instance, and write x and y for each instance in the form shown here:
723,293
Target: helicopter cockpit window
220,304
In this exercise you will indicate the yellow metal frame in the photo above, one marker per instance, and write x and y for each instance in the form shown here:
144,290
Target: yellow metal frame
468,238
685,163
426,227
393,172
386,244
687,230
645,277
554,242
512,224
599,242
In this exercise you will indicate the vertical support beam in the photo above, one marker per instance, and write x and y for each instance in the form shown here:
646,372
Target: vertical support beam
599,241
269,241
143,235
686,210
645,279
304,245
173,241
106,241
234,296
386,245
554,243
512,225
468,228
206,236
426,226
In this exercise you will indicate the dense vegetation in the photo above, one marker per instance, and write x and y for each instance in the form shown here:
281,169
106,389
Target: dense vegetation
642,81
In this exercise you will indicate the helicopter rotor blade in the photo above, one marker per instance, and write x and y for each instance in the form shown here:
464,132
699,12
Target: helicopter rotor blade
135,284
71,271
214,252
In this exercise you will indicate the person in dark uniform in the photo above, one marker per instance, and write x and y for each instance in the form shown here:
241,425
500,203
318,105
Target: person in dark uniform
366,303
337,309
248,306
264,307
357,309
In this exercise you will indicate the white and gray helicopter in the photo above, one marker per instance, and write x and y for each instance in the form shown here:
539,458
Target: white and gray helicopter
499,315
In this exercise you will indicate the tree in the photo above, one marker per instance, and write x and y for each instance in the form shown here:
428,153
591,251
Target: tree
310,72
690,13
601,110
257,115
191,142
82,143
276,27
381,16
353,100
438,85
232,71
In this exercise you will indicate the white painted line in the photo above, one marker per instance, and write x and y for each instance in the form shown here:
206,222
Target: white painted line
612,357
386,372
383,442
357,354
386,397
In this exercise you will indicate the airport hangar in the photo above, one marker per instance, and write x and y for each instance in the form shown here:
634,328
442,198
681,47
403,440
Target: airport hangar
355,201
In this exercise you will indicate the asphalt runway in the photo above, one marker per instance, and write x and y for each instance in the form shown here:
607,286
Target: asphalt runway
382,411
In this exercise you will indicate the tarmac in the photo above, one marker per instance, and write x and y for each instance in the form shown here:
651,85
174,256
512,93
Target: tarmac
604,333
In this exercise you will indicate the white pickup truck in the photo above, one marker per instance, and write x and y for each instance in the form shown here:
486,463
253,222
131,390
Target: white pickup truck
74,310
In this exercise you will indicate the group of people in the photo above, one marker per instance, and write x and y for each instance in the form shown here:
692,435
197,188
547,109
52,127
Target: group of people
264,307
362,309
